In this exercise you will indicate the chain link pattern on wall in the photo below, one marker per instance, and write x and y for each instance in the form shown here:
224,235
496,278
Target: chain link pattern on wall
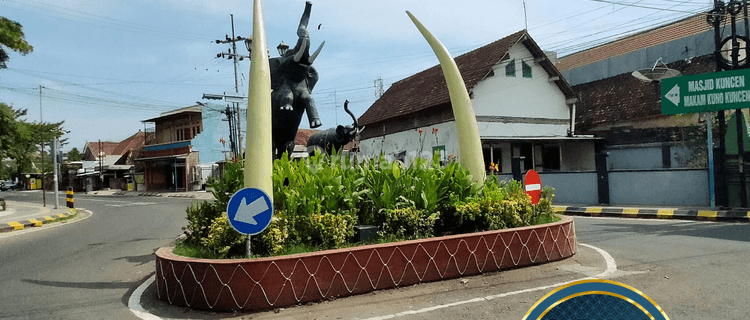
266,283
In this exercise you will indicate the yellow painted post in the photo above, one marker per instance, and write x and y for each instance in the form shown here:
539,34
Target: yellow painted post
470,146
258,150
69,197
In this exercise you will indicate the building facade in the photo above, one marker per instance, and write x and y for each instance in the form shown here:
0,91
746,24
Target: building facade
109,164
524,108
651,158
168,161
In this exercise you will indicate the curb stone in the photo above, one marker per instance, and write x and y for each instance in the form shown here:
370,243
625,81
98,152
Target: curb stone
656,213
36,222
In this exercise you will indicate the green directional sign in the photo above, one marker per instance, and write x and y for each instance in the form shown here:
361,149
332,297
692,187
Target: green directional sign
706,92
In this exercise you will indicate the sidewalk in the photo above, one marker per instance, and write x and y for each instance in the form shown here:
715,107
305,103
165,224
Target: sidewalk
32,215
655,212
201,195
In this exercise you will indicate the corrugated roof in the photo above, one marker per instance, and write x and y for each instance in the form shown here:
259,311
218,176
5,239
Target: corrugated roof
675,30
428,89
169,114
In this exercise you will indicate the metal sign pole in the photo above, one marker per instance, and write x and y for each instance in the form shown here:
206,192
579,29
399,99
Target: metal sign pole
711,182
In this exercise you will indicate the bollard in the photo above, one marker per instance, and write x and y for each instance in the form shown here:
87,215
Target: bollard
69,197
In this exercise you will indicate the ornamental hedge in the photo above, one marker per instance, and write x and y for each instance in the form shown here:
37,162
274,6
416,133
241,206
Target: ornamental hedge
319,200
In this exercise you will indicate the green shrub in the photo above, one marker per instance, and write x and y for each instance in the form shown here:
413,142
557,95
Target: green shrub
273,240
201,216
318,200
222,240
409,223
499,205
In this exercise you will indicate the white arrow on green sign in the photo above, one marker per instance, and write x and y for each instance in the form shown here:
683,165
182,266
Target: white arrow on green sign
715,91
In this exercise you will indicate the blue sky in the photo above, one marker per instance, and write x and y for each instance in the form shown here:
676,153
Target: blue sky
106,65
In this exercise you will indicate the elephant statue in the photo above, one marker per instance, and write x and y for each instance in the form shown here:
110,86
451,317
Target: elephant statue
335,138
292,81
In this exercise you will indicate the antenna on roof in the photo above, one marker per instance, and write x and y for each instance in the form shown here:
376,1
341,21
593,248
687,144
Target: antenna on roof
656,73
525,20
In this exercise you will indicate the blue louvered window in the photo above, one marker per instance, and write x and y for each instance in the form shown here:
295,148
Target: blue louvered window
526,69
510,68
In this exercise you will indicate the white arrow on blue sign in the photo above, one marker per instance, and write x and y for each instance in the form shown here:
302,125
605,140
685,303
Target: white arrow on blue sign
250,211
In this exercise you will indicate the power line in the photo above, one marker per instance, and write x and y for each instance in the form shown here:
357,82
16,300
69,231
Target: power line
107,22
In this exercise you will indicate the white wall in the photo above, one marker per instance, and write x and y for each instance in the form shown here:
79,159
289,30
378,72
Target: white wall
498,95
488,130
534,97
412,142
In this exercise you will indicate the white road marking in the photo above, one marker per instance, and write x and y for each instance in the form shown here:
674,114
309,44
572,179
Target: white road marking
135,299
134,303
611,268
132,204
7,212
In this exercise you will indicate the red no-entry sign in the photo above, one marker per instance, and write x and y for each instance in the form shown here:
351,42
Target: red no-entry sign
532,184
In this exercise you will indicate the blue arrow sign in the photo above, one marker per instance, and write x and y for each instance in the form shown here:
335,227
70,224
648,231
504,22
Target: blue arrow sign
250,211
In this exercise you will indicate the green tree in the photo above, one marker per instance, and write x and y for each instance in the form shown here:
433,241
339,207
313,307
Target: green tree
9,134
75,155
12,37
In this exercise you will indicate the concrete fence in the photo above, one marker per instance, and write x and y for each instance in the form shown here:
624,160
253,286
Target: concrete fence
655,187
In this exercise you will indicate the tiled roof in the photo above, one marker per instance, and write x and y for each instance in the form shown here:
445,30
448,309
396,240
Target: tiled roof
302,136
133,142
105,146
624,97
690,26
427,88
109,148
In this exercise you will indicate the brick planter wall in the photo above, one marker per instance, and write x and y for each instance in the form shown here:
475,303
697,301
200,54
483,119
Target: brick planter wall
267,283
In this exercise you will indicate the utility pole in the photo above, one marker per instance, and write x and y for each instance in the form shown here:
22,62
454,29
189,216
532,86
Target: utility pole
379,87
41,138
232,54
715,18
229,112
336,106
55,149
101,179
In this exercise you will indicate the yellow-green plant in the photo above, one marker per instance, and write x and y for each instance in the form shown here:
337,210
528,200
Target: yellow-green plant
409,223
222,239
274,238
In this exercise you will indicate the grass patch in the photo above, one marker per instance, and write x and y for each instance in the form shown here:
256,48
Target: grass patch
548,219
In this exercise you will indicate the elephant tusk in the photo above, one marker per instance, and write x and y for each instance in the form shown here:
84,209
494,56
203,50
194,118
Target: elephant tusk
301,51
469,142
315,55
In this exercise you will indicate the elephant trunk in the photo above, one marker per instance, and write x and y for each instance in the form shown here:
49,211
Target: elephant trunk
346,108
301,52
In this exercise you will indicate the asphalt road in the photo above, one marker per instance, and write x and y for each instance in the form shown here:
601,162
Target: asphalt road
85,269
693,270
88,270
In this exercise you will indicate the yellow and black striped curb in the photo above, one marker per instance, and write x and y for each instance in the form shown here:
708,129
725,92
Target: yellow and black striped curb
38,222
655,213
